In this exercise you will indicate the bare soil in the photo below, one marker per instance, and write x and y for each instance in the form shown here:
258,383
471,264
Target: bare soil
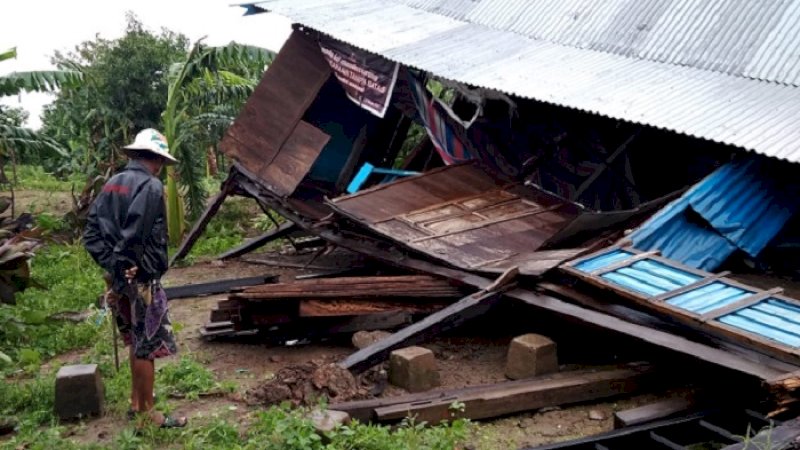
35,202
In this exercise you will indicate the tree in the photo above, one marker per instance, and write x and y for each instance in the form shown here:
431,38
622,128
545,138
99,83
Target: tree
122,92
13,136
205,92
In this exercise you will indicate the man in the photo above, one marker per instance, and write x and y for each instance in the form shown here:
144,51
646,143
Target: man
126,235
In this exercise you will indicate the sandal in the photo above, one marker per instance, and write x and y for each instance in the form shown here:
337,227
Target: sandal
172,422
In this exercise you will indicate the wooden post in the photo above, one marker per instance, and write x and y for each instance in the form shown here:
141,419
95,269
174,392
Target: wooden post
202,222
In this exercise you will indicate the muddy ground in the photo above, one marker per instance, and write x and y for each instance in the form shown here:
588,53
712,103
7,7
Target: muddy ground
467,358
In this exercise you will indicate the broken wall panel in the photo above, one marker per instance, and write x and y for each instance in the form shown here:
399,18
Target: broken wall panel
764,321
462,215
274,110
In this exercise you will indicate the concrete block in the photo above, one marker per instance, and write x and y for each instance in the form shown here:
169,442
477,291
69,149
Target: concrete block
530,355
413,369
79,391
326,421
362,339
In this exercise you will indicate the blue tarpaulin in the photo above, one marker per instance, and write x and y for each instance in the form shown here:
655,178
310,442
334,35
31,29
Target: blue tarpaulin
742,205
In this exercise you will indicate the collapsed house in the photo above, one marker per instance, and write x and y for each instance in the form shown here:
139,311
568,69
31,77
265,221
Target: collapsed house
613,157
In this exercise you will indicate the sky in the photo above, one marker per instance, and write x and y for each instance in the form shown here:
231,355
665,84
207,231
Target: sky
40,28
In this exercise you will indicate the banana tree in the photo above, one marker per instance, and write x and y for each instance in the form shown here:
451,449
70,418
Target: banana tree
15,137
209,76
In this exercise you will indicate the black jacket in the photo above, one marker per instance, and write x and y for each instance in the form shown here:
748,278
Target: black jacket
127,226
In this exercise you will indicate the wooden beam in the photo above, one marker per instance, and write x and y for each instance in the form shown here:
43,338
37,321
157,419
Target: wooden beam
484,402
690,287
651,412
282,231
202,222
446,319
624,263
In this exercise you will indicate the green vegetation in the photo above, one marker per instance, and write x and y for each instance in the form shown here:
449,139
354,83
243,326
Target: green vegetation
14,138
35,178
28,333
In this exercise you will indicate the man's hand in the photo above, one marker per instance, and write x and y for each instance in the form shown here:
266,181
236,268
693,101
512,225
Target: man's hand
130,274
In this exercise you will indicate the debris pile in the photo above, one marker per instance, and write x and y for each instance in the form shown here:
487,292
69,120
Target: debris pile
309,382
330,305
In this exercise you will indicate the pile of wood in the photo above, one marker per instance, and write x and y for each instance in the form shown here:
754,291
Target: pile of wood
318,307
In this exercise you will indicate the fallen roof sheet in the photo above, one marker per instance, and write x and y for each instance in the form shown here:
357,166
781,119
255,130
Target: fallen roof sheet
730,109
743,204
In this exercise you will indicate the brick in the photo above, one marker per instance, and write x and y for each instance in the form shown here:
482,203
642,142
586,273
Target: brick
79,391
413,369
530,355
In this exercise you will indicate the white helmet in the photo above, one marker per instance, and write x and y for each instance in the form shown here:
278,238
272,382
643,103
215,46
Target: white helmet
152,141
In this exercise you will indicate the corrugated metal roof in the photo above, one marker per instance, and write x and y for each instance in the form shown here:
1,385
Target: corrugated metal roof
731,109
751,38
743,204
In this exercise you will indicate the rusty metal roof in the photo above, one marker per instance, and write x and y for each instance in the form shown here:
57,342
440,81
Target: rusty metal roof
693,67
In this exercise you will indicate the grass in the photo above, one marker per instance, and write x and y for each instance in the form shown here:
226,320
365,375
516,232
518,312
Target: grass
284,428
35,178
73,282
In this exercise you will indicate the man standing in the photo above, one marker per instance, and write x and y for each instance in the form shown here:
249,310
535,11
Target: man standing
126,234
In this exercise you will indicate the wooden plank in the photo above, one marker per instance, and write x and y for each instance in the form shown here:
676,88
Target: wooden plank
524,395
663,409
215,287
436,323
690,287
570,266
624,263
295,158
201,223
274,109
378,321
282,231
349,307
488,223
743,303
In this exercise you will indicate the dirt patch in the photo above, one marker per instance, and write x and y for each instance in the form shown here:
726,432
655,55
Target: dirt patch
307,383
36,202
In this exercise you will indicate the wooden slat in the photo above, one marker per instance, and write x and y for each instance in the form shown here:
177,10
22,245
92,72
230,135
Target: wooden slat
743,303
570,266
487,223
348,307
624,263
511,397
282,231
653,411
690,287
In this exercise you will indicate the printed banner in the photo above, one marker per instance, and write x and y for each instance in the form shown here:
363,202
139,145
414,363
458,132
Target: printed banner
366,78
